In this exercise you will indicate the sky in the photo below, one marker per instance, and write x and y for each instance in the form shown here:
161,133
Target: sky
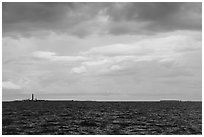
102,51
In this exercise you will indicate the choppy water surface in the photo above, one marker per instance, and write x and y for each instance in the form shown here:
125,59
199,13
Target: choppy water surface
101,118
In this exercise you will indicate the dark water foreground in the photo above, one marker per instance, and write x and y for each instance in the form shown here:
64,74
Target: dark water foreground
66,117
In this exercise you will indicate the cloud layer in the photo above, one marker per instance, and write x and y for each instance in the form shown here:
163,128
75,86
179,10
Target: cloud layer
83,19
102,51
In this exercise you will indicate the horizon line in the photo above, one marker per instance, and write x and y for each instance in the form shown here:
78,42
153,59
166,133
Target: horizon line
106,100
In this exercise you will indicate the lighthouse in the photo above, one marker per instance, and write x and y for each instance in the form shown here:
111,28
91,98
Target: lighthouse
32,97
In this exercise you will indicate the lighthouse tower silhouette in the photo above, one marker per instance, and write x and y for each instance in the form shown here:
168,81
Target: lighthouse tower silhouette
32,97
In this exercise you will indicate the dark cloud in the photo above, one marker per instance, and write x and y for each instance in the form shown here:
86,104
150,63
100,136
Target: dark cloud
77,19
33,12
37,18
143,11
166,16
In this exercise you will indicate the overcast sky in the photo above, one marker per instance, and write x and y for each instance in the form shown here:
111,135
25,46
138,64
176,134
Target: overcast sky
102,51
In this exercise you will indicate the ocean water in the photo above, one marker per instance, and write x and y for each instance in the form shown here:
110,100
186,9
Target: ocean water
101,118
